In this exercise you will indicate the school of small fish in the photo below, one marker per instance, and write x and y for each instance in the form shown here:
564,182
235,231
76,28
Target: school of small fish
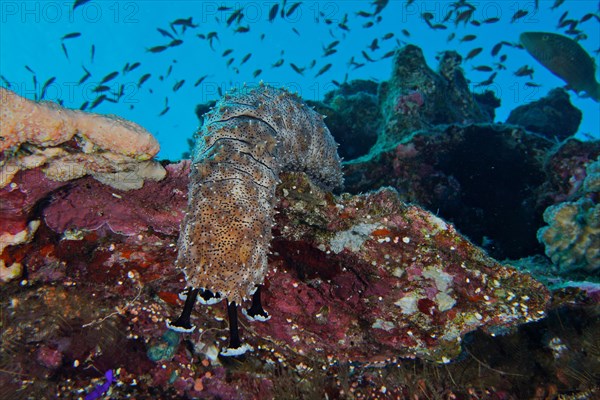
457,15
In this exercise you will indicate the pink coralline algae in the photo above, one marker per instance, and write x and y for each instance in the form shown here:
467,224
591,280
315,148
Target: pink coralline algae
410,102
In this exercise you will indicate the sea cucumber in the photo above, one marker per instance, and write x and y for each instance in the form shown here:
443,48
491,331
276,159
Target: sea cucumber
246,141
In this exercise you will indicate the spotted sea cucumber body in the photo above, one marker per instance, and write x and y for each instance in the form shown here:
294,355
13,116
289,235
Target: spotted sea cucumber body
247,139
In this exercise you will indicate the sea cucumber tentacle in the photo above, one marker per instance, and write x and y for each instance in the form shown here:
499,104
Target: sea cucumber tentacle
246,141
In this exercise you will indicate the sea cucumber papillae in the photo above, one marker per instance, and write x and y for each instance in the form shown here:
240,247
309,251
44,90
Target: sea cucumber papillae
247,139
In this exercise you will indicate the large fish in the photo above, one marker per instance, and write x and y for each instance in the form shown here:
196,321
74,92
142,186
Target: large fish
566,59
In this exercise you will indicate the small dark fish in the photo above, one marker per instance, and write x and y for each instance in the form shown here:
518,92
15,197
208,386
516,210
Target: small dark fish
448,15
387,36
133,66
374,45
165,33
503,58
589,16
64,48
492,20
364,14
143,79
200,80
366,56
525,70
234,15
292,8
243,29
48,83
296,31
297,69
405,32
312,64
388,54
120,92
329,52
332,45
101,88
451,37
475,23
427,16
220,91
35,85
5,81
438,27
278,63
557,3
157,49
246,58
185,22
29,69
464,17
78,3
563,16
227,52
84,105
85,77
169,70
336,83
496,49
468,38
178,85
532,84
92,53
323,70
223,8
488,81
518,15
97,101
164,111
175,42
71,35
257,73
379,5
344,27
473,53
109,77
482,68
273,12
369,24
230,61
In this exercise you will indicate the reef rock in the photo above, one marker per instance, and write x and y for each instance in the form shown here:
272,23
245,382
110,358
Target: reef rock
352,278
69,144
552,116
485,178
416,97
353,116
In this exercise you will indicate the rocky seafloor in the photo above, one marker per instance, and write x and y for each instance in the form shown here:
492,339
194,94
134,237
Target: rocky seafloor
462,260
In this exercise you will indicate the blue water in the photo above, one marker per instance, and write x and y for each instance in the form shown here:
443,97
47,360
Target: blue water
122,31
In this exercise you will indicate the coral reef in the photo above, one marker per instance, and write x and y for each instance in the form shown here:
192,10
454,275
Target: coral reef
353,280
69,144
552,116
416,97
485,178
572,239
